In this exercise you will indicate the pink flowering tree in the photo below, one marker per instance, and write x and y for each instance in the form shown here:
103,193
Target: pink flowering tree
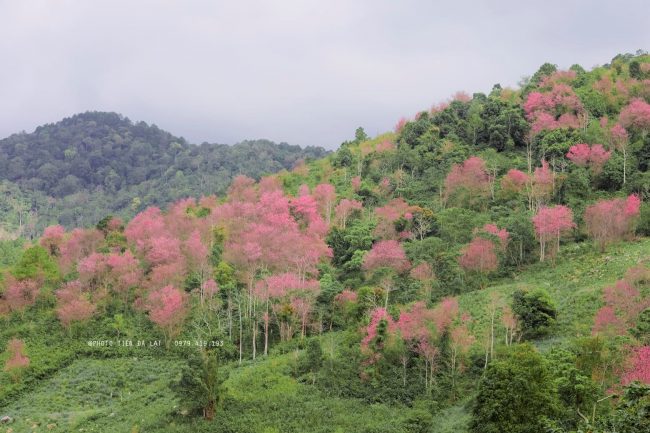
609,221
345,209
17,361
73,306
388,259
515,181
594,156
20,294
425,275
479,256
52,239
637,366
469,181
325,195
550,224
167,308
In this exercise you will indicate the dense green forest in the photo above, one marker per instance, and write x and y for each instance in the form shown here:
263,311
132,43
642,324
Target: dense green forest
89,165
483,267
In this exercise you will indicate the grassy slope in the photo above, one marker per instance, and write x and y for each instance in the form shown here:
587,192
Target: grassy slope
129,394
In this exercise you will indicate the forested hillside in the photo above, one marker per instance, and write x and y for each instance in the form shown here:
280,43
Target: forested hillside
86,166
484,267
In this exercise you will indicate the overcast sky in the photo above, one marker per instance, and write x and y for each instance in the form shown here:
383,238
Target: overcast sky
301,71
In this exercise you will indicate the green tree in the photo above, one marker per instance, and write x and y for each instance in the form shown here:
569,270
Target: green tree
515,395
200,388
535,312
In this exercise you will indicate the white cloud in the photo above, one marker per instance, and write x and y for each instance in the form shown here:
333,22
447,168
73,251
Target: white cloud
306,72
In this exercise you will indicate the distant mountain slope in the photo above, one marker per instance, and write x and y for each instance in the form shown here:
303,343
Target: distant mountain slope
95,163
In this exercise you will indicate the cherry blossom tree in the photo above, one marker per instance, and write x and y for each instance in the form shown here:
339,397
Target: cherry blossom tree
52,239
17,361
637,366
501,234
424,274
469,178
612,220
20,294
72,304
514,180
543,184
325,195
345,209
167,308
479,256
594,156
550,223
636,115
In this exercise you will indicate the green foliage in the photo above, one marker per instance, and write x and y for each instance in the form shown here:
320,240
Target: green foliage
200,388
97,163
631,414
36,263
515,395
535,312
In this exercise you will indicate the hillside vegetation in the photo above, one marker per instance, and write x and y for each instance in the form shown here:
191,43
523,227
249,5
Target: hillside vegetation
84,167
485,267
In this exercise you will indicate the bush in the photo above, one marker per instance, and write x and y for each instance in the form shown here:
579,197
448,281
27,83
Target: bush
535,312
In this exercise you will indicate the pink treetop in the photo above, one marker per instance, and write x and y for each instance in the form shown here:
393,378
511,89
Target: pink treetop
461,339
619,135
20,294
632,206
145,226
412,324
636,115
386,254
124,271
52,238
551,222
638,366
611,220
72,304
280,285
444,314
388,214
325,195
400,125
242,189
579,154
502,234
269,184
584,155
377,315
422,272
607,322
599,156
210,288
345,209
356,183
164,250
196,251
346,296
385,146
479,256
80,243
167,307
514,180
470,175
543,179
17,358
